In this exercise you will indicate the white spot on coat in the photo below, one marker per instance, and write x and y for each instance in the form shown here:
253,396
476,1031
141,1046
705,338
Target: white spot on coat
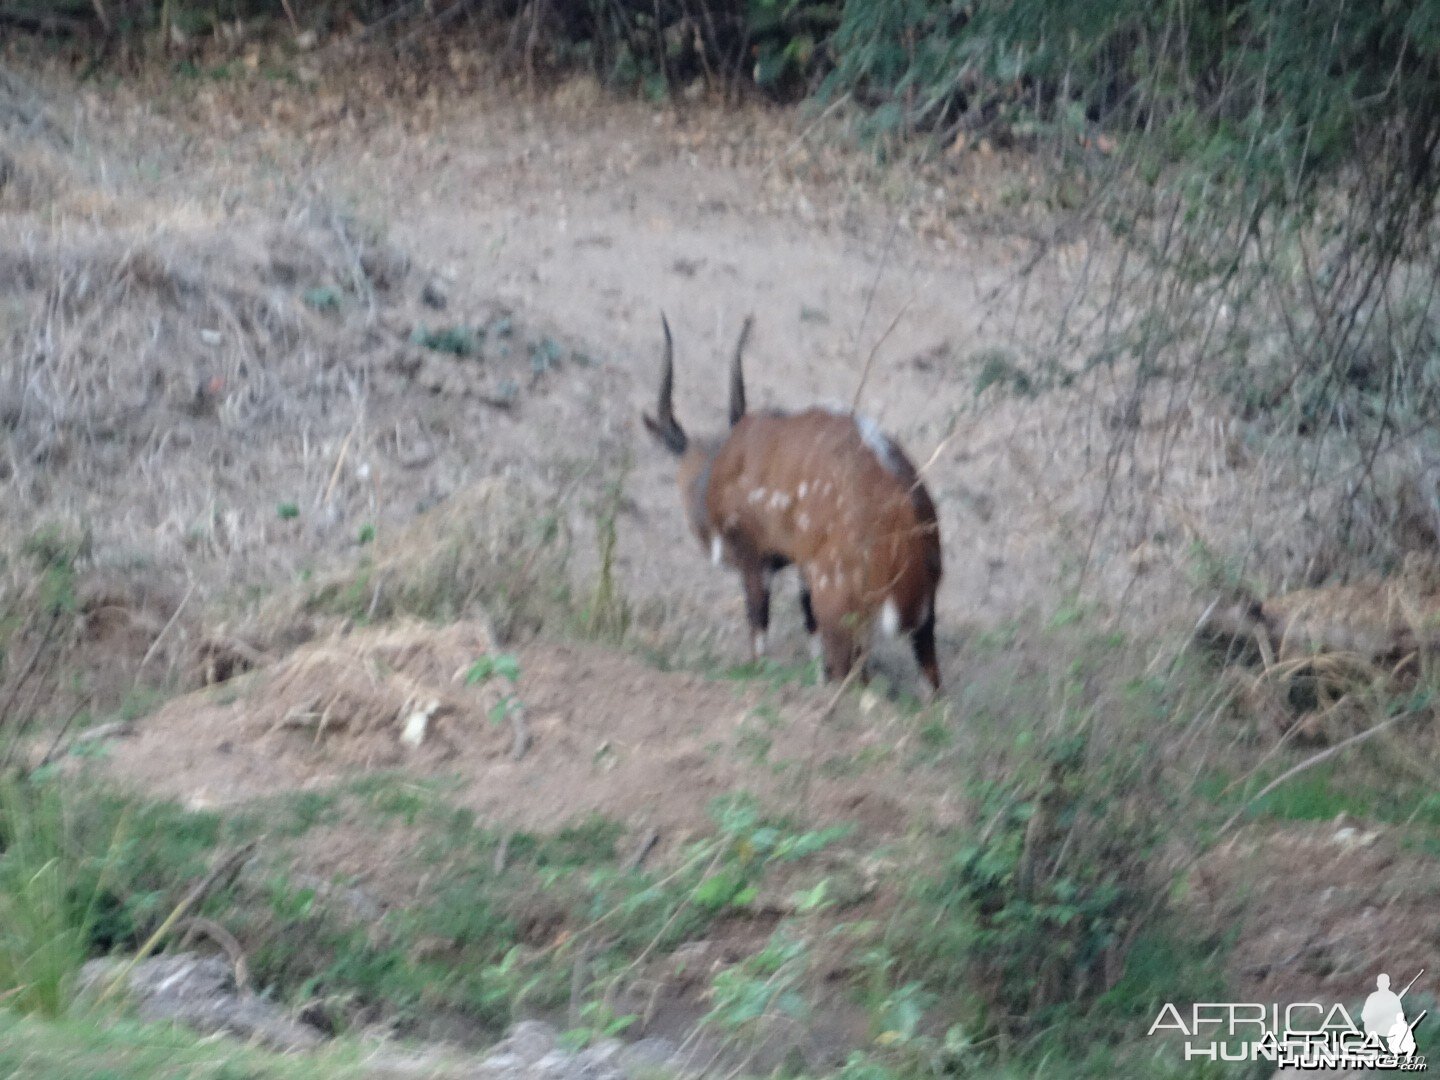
800,492
779,501
803,521
757,495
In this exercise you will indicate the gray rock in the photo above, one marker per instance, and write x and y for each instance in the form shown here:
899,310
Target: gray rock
503,1064
605,1052
529,1040
395,1063
651,1052
560,1065
556,1063
199,992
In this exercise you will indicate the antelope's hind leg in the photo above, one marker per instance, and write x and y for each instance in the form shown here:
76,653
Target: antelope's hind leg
807,610
757,607
922,640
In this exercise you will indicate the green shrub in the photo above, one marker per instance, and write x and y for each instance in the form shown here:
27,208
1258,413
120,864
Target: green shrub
1031,918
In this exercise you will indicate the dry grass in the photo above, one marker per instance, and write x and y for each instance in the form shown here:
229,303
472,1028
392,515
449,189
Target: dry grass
228,398
371,693
161,356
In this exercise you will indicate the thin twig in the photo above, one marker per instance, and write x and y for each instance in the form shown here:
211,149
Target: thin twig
606,916
641,852
29,667
809,129
451,13
680,908
875,281
339,462
578,979
289,13
1311,762
224,871
198,924
825,715
8,715
51,754
163,631
522,733
869,360
403,11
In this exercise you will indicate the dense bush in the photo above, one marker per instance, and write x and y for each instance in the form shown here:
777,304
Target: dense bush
1287,89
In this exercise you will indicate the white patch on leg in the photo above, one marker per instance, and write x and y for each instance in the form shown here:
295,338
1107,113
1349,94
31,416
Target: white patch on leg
717,550
758,643
890,618
817,650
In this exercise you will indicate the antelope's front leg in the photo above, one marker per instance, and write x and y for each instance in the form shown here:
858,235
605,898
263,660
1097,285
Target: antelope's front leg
757,607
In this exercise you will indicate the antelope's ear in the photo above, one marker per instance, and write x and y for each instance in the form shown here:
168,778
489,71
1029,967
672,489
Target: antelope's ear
671,435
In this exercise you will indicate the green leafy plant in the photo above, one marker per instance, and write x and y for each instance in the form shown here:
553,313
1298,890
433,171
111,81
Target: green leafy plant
500,665
598,1020
764,984
1038,908
747,844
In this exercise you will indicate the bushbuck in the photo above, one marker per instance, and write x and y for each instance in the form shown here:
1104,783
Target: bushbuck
824,490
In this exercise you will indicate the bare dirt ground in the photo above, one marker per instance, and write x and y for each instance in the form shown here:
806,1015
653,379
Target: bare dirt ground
1319,909
588,217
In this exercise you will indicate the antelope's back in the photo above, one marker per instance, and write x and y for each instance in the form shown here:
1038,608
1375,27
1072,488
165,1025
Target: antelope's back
829,486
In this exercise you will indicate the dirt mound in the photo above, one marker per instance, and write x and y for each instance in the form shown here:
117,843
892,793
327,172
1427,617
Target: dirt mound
603,733
373,695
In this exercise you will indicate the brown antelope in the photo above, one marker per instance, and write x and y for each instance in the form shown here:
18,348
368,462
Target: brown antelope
824,490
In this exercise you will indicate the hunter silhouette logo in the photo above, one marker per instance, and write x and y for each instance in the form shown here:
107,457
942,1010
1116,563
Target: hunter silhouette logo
1304,1035
1384,1016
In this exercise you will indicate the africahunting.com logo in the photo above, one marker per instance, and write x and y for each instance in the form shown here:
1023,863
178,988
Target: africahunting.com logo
1301,1035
